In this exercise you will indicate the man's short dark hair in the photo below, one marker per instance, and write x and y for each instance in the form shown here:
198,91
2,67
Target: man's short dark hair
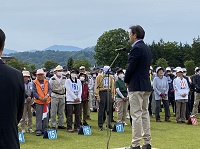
2,38
138,30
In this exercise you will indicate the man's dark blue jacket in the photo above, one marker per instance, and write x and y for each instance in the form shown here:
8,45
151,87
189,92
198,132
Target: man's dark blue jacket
12,105
137,72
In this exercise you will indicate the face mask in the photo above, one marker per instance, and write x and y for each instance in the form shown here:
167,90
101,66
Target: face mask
73,75
64,73
121,76
82,78
59,73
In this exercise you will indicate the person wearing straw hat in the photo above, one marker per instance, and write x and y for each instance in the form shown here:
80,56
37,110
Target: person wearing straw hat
41,93
181,90
12,102
57,83
28,102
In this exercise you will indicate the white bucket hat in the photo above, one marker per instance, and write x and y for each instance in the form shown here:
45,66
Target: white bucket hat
26,73
58,68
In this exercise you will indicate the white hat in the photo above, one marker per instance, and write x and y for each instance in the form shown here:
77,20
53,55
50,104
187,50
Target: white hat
158,68
179,69
184,69
68,72
168,69
196,69
26,73
105,68
82,67
58,68
40,71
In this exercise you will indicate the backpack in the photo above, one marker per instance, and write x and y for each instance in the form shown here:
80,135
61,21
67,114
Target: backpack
85,92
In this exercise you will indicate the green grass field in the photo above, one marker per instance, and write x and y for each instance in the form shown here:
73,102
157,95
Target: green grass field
165,135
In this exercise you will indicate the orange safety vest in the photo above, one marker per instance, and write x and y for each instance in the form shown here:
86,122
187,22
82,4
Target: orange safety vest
41,93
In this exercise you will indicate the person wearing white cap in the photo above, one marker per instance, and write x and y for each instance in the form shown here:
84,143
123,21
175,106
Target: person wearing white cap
181,89
41,93
27,103
161,87
184,71
100,92
82,69
57,83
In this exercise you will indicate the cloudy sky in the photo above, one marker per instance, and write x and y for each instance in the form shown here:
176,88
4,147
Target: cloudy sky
38,24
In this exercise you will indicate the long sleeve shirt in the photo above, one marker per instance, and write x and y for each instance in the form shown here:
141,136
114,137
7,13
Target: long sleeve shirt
73,91
101,83
35,94
160,86
180,87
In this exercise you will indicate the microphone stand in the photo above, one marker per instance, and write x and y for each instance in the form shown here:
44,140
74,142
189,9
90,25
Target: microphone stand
108,100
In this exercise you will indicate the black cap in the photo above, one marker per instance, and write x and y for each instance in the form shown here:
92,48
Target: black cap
65,68
74,70
119,71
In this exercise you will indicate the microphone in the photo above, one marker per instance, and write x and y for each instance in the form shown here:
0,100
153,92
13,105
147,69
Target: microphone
120,49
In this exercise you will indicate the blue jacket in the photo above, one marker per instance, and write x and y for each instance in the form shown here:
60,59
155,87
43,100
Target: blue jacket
137,72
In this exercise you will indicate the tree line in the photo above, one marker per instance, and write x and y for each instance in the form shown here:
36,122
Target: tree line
165,54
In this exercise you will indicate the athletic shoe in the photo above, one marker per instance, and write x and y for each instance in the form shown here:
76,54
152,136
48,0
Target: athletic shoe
30,130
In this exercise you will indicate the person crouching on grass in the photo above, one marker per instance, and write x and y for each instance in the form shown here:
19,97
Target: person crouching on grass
121,97
160,86
73,100
181,95
27,103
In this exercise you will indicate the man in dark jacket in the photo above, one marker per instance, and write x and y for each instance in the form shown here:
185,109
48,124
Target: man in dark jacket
139,86
12,102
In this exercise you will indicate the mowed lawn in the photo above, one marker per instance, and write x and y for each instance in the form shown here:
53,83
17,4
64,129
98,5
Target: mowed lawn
165,135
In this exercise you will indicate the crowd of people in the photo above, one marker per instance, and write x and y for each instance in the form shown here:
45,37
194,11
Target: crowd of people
172,86
66,92
77,91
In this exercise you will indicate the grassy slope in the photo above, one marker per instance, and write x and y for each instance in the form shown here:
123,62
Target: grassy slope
164,136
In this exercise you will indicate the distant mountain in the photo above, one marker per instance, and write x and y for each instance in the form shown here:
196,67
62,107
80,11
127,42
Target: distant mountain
91,49
32,50
63,48
8,51
39,57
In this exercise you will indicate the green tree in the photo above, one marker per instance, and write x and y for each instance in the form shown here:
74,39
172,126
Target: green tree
162,63
189,65
32,67
83,62
18,64
195,49
49,64
70,63
106,45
